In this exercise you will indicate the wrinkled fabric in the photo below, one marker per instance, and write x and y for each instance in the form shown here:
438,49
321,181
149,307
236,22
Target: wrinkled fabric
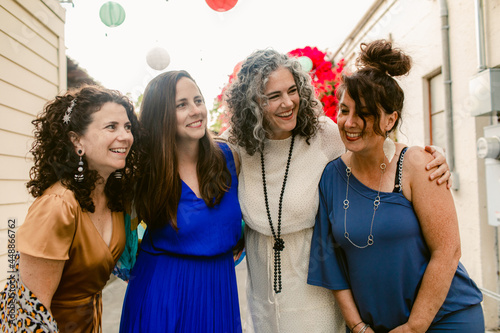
57,228
185,280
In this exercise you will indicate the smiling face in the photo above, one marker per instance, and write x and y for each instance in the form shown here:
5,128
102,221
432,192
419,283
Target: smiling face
356,136
190,110
107,140
281,110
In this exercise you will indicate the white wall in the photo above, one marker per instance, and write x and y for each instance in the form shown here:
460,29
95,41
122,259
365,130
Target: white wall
32,71
415,26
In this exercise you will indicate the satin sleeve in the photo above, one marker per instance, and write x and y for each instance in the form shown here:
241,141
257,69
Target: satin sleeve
325,267
48,229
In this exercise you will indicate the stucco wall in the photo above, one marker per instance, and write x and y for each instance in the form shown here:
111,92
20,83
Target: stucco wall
415,26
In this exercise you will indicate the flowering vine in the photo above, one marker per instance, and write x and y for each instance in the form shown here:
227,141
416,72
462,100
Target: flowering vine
324,78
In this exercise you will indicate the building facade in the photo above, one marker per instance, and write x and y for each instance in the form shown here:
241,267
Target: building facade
32,71
455,46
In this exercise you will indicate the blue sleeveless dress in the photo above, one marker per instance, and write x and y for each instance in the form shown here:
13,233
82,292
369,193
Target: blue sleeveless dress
384,278
184,281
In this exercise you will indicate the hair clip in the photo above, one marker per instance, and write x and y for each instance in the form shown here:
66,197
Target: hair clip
67,114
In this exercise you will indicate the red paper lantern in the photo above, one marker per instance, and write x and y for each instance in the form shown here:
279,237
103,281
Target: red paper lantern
221,5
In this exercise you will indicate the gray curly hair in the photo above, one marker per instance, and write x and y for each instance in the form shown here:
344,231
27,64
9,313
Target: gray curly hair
245,99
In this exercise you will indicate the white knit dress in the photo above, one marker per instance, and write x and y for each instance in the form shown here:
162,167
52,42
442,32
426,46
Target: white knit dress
299,307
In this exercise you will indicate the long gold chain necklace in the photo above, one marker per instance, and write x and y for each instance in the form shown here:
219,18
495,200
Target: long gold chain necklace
376,203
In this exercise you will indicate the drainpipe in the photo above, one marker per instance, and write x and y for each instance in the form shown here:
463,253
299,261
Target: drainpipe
480,35
448,107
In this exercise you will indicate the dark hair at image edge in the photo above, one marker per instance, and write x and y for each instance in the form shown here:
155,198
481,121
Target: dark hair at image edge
245,98
54,155
378,63
159,186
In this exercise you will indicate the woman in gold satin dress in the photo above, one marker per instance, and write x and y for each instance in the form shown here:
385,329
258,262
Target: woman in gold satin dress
74,232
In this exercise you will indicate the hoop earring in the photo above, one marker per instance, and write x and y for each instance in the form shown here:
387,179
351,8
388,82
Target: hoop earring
79,175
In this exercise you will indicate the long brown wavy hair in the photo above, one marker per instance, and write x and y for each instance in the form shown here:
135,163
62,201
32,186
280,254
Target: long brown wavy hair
159,186
54,155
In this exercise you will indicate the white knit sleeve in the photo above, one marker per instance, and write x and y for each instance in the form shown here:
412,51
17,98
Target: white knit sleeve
331,143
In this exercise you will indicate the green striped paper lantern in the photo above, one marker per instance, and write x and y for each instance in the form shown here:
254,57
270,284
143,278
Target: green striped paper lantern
112,14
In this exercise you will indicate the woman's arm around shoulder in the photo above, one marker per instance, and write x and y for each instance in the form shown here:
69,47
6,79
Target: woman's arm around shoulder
442,172
435,210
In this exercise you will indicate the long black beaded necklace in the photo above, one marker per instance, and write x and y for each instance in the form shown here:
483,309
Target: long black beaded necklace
279,243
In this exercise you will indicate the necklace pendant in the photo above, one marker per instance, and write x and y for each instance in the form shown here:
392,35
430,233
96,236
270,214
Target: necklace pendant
346,204
279,244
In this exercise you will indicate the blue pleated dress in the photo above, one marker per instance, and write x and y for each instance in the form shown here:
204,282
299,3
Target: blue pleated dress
184,281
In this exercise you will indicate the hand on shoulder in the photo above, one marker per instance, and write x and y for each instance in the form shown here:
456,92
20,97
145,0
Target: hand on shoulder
416,177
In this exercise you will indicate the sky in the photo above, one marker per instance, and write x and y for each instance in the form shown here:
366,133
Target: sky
206,43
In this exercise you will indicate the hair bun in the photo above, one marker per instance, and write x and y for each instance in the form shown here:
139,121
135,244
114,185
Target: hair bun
380,55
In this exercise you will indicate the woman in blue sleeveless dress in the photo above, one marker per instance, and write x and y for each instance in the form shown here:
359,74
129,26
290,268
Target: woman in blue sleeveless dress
184,278
386,239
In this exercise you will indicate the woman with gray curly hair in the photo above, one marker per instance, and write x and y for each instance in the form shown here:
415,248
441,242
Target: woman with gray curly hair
283,142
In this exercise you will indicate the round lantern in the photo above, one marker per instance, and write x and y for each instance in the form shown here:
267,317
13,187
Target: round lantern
306,63
158,58
221,5
112,14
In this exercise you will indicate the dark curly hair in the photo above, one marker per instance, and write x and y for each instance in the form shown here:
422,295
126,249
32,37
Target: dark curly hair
378,64
245,98
54,155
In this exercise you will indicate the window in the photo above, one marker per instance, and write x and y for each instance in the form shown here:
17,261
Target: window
437,120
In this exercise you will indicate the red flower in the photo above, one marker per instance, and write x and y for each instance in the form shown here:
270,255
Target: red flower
324,78
330,106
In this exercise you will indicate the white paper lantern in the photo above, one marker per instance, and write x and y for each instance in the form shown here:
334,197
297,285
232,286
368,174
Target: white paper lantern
158,58
306,63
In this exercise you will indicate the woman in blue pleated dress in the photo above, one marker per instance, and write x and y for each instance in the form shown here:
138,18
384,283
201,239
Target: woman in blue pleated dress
184,278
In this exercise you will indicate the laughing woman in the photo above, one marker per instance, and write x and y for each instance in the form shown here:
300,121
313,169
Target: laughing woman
283,143
74,232
386,239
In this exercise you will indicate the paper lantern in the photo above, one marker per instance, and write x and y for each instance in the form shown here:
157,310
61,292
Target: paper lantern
112,14
306,63
158,58
221,5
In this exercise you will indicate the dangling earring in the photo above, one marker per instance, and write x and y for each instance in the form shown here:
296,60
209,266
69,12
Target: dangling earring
79,175
389,147
118,175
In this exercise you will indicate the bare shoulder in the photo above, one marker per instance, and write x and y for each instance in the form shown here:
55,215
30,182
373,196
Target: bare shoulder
415,174
416,159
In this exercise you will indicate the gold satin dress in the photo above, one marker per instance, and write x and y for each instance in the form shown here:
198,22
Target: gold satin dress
57,228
